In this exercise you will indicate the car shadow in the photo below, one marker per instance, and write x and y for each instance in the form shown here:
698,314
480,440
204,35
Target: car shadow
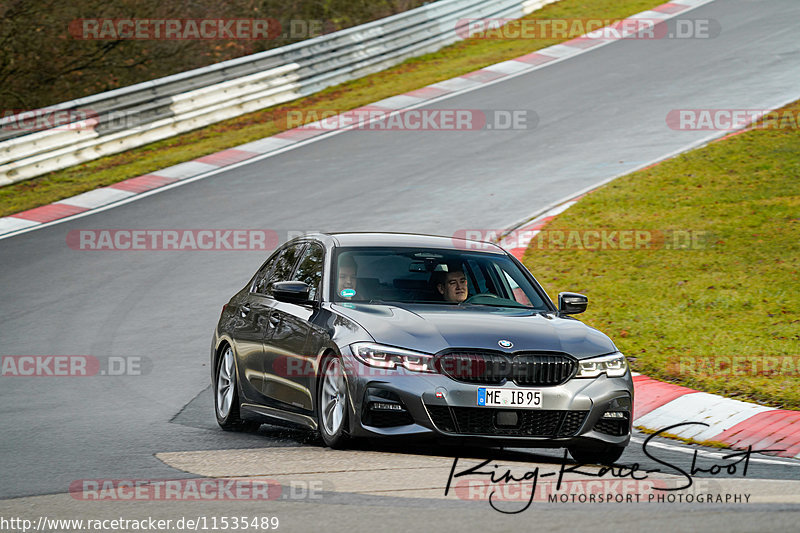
303,437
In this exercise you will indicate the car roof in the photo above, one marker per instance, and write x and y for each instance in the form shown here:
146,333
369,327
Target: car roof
411,240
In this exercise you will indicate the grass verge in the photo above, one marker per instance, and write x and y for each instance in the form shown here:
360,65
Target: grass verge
452,61
722,314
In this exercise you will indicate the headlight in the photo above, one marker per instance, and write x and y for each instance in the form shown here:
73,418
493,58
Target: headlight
614,366
389,357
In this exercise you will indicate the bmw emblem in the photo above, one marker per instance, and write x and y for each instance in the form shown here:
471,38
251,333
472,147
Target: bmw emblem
505,344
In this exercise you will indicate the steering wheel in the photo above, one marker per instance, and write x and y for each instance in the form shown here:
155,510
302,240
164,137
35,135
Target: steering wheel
474,296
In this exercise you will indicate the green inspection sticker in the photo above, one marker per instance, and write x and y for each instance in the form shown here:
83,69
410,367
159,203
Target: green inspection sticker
347,293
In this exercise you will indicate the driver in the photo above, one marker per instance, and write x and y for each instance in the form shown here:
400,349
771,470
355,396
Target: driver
348,270
452,285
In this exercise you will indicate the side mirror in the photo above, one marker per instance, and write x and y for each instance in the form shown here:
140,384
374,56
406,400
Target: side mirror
571,303
295,292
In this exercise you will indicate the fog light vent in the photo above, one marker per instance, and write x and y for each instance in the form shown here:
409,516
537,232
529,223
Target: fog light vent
616,423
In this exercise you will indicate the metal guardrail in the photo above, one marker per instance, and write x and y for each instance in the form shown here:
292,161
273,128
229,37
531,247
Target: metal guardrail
128,117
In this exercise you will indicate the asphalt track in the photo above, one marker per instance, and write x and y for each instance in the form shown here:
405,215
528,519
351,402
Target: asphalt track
601,113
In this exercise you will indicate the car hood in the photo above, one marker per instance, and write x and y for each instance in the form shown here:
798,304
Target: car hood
432,328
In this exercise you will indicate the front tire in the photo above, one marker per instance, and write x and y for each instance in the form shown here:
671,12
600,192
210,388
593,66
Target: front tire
226,395
332,401
599,454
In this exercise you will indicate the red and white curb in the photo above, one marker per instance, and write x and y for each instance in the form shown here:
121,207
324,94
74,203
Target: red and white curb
659,405
203,167
738,424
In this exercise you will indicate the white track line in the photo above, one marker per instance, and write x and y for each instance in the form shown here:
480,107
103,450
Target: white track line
715,455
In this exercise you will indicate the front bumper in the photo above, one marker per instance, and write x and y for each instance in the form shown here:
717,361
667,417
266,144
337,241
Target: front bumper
436,406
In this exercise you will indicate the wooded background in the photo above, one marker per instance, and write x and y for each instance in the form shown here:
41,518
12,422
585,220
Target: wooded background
42,64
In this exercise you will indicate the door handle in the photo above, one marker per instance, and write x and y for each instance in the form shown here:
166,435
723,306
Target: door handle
245,309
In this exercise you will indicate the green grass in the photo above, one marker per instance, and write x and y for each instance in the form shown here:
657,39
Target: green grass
454,60
737,293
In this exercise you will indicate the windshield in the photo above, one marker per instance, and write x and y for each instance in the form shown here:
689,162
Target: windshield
431,276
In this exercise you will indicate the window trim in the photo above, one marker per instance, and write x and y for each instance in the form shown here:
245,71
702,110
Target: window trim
275,255
272,256
320,289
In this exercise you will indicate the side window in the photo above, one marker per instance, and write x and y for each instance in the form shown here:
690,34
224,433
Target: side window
310,269
498,284
516,291
283,266
260,281
476,277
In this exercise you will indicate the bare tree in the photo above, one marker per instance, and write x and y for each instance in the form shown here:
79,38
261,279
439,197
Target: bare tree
43,63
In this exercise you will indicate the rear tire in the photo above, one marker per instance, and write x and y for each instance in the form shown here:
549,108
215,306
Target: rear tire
332,404
599,454
226,395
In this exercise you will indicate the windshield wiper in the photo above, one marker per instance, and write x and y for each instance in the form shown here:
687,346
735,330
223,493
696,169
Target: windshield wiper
512,306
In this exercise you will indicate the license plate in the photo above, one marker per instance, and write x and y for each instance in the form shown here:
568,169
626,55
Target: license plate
520,398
